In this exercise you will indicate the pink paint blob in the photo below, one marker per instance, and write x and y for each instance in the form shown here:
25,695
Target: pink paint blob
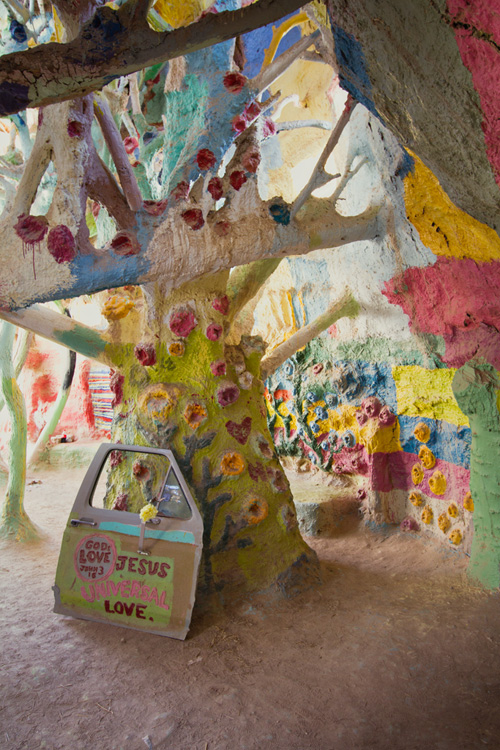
251,161
227,394
371,407
116,387
180,191
61,244
409,524
121,502
386,418
234,82
140,471
75,129
215,188
193,218
239,123
130,144
182,322
214,332
146,354
218,368
155,208
205,159
31,230
237,179
268,128
115,458
124,243
221,304
252,110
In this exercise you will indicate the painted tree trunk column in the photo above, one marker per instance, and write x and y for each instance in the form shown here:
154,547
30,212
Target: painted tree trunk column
475,388
15,523
185,389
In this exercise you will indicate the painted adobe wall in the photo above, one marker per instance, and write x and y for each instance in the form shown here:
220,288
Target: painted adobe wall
371,399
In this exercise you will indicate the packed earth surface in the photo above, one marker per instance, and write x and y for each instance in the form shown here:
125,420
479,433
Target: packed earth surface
395,649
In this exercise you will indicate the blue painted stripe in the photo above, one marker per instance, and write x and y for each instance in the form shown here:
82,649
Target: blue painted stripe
447,441
183,537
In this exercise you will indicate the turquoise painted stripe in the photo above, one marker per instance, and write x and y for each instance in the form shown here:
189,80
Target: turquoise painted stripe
184,537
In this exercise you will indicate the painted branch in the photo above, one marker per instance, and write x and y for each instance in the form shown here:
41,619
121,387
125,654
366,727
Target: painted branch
60,329
118,154
15,522
54,72
56,410
273,71
319,177
296,124
346,307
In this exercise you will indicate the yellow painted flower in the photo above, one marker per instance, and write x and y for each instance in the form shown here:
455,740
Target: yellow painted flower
176,349
437,483
427,457
232,464
116,307
469,503
157,402
148,512
444,522
455,536
417,473
422,432
256,510
453,510
427,514
416,499
194,414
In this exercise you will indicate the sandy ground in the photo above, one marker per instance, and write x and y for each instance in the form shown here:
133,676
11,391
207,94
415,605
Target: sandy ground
394,650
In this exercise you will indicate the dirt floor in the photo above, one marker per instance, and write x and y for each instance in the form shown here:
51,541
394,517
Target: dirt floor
394,650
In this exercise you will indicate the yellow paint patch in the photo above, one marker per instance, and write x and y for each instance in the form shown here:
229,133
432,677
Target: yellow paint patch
427,393
178,14
378,439
444,228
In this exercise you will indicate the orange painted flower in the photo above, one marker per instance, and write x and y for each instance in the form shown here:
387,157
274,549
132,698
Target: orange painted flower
422,432
417,473
194,414
427,457
117,307
416,499
232,464
437,483
453,510
468,503
427,514
444,522
256,510
176,349
455,536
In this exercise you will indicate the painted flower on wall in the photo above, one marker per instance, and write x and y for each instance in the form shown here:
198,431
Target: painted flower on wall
194,414
176,349
427,457
422,432
117,307
237,179
205,159
61,244
221,304
427,515
417,473
182,322
227,393
232,464
455,536
116,387
214,332
115,458
215,188
146,354
125,243
140,471
218,368
444,522
409,524
386,418
193,218
255,510
453,511
416,499
234,82
121,502
180,191
437,483
469,503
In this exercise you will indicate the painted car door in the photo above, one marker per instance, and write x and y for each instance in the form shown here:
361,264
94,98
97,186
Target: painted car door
114,568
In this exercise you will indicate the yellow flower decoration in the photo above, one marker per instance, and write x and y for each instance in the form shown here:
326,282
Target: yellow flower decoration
455,536
117,307
416,499
422,432
176,349
453,510
437,483
157,402
444,522
194,414
232,464
427,514
469,503
148,512
427,457
256,510
417,473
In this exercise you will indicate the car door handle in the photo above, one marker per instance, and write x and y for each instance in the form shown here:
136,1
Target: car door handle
81,522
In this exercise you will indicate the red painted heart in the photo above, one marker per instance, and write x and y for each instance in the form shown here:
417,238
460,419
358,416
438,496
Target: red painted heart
240,432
